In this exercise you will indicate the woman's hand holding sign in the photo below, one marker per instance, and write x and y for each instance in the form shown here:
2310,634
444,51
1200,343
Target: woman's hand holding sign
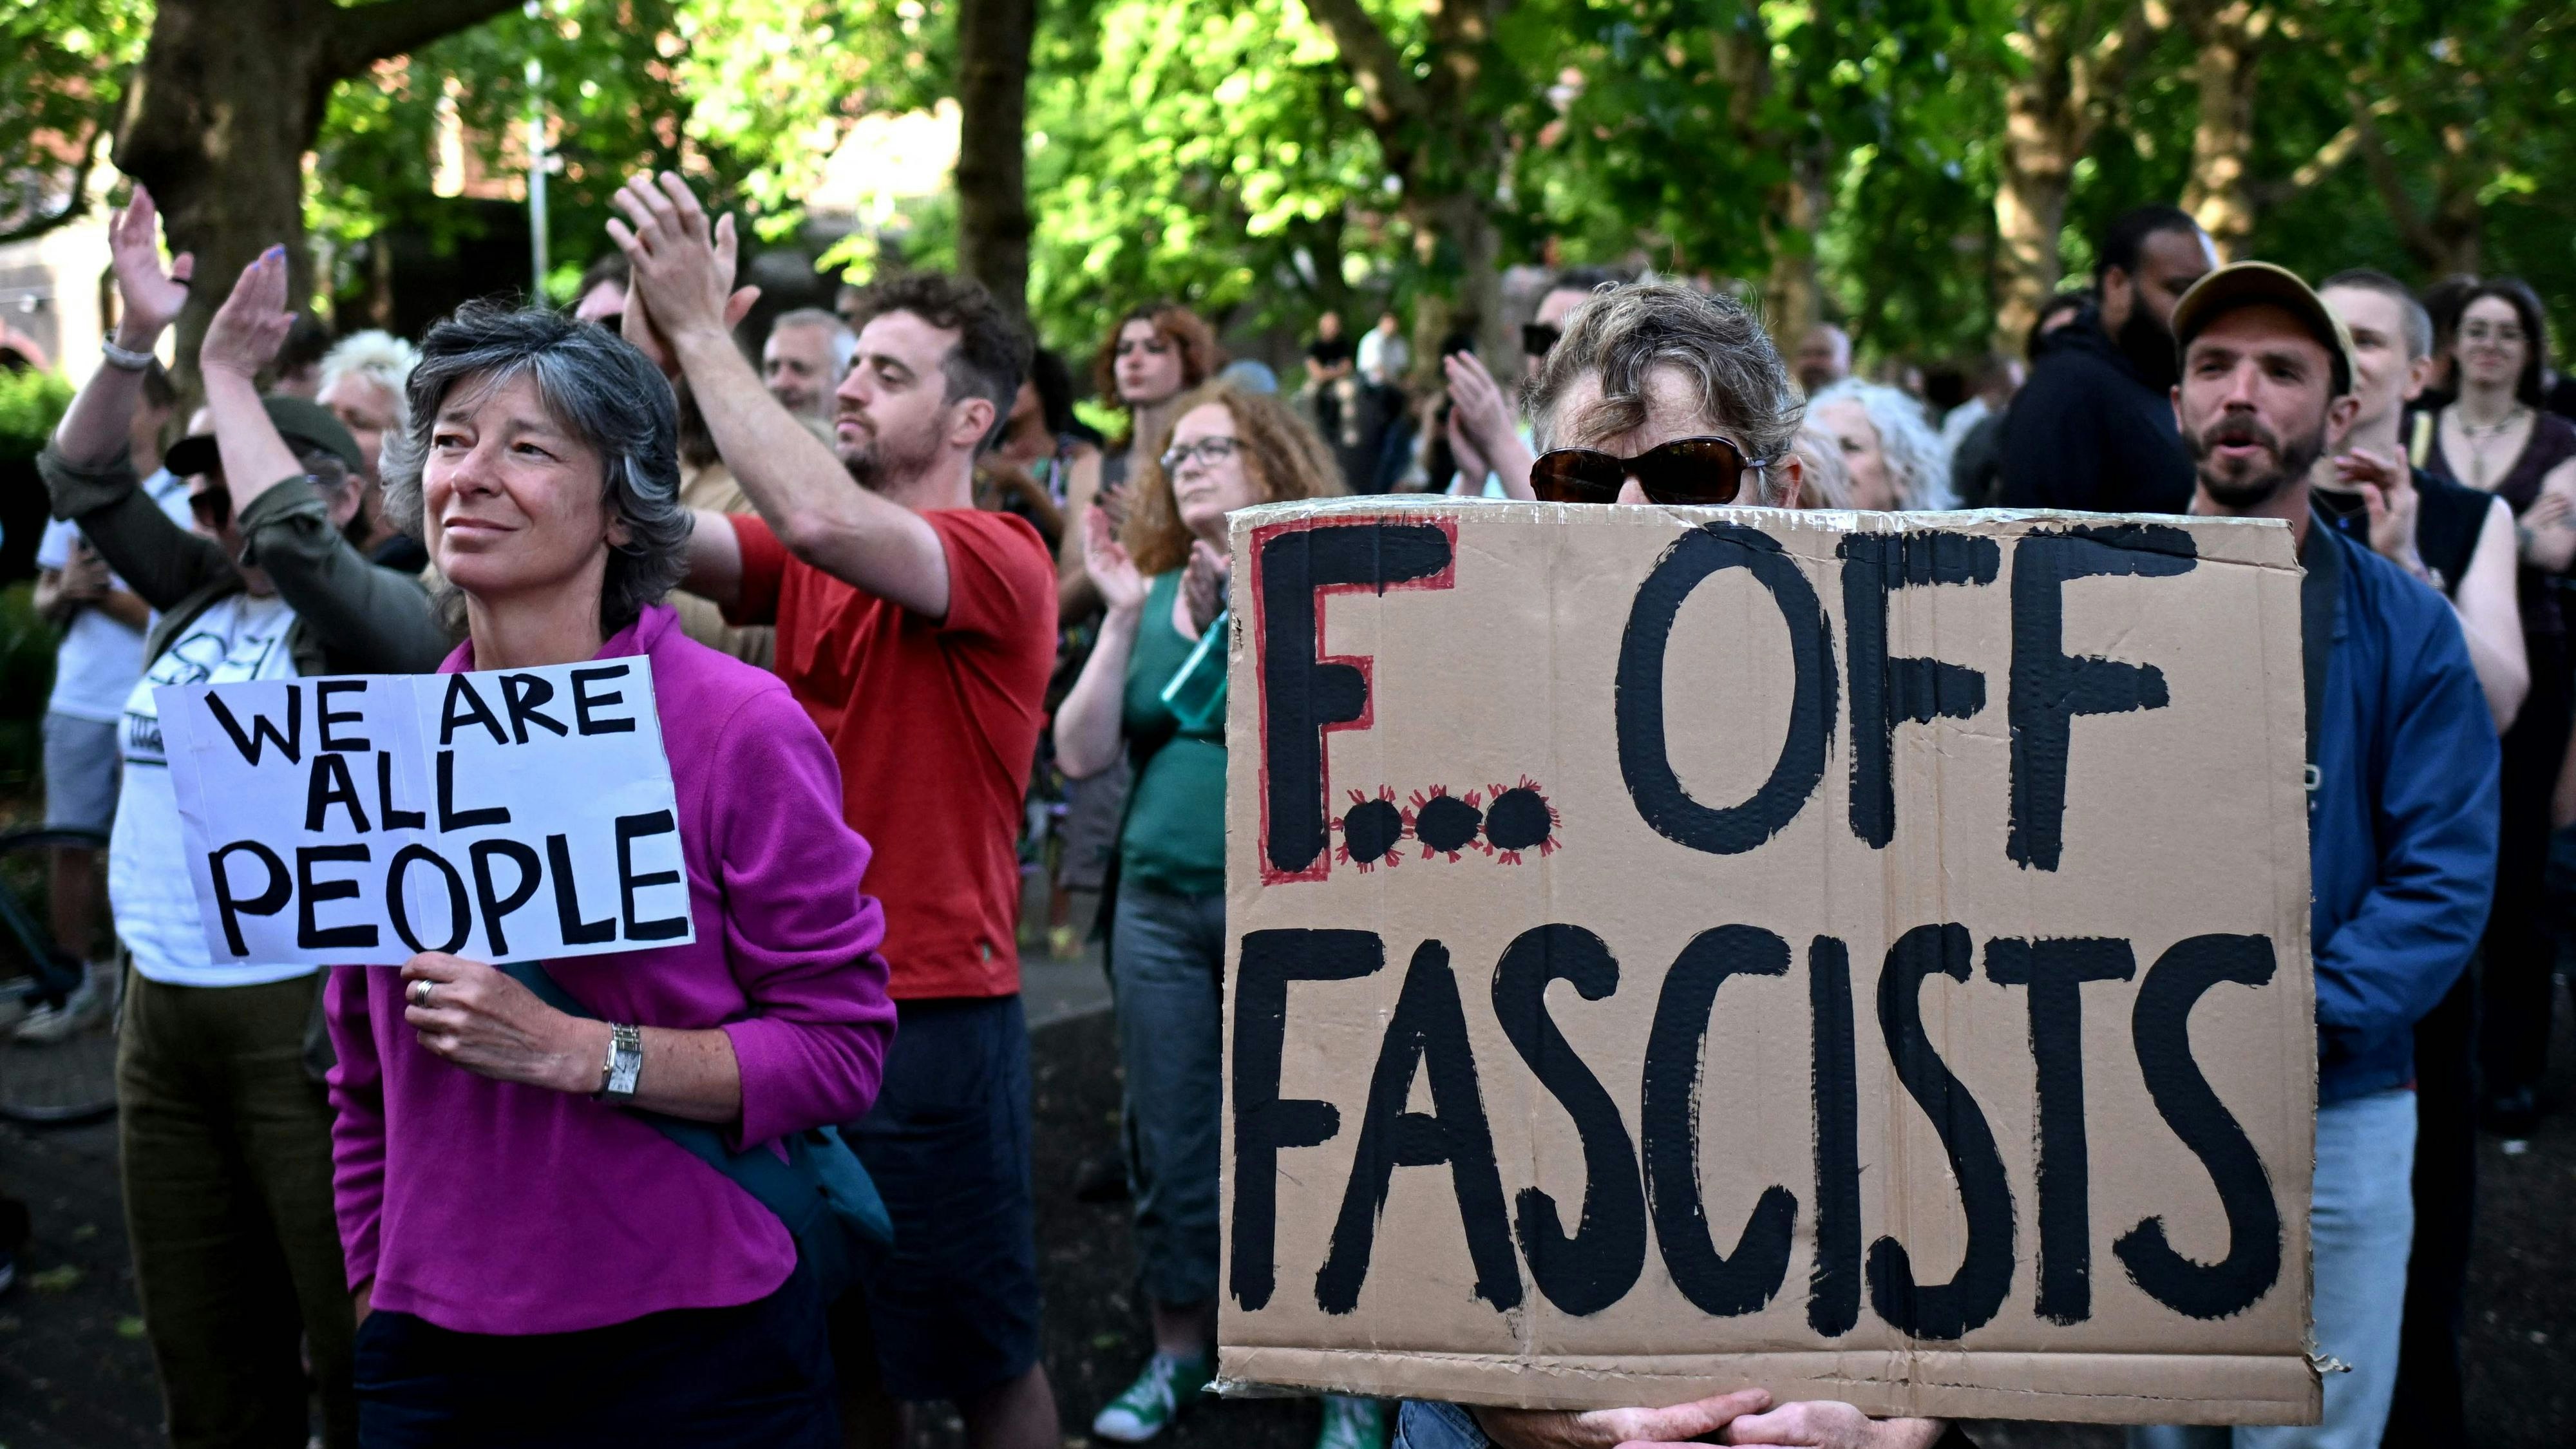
1736,1418
478,1018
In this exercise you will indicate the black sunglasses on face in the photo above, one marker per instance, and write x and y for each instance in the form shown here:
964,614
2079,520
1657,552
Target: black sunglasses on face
1686,471
1538,337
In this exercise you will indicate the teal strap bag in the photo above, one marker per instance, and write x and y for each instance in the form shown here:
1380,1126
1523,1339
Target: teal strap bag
820,1190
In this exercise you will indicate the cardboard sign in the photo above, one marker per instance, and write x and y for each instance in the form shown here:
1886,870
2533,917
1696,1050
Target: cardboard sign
1863,956
504,816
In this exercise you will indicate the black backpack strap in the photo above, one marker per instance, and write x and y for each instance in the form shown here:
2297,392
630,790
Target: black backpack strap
780,1185
2320,609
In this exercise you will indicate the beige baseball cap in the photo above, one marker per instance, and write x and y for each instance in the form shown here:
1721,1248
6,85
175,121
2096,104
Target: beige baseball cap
2250,284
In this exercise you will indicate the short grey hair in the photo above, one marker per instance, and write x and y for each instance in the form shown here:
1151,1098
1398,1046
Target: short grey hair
1916,462
597,387
845,343
1624,333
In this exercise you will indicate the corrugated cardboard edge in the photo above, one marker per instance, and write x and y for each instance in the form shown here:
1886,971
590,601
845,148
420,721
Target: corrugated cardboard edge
2152,1388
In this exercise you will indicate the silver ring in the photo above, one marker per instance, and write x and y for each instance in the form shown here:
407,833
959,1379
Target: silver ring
420,993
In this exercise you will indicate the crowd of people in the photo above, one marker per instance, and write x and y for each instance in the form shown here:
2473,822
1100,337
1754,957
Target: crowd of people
917,632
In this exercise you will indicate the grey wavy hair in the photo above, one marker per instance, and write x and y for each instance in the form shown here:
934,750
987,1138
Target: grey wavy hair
1624,333
1916,462
1828,482
596,386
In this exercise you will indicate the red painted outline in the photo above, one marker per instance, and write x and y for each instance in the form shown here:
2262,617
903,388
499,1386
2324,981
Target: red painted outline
1447,578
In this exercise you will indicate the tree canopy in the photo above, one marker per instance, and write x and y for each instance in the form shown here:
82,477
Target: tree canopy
1921,170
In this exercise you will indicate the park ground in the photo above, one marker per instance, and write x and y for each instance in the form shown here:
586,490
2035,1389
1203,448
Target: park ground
75,1373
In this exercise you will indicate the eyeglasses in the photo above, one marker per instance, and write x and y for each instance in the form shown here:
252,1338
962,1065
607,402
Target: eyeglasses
1210,451
1685,471
1538,337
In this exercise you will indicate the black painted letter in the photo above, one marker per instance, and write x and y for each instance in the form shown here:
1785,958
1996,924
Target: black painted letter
1886,692
1645,758
1599,1264
1302,696
2161,1029
2049,689
1428,1035
2055,970
1265,1124
1969,1300
1833,1289
1668,1121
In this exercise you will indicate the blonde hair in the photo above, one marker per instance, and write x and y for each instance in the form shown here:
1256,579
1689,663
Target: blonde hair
1280,454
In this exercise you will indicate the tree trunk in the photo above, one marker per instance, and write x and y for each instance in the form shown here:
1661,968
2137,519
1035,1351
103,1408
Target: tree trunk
993,39
2228,41
228,99
1793,293
2077,55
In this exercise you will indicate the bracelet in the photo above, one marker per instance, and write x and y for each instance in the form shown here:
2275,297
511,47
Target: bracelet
124,359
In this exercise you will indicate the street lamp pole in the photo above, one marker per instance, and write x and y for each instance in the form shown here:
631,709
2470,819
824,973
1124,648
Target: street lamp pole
538,164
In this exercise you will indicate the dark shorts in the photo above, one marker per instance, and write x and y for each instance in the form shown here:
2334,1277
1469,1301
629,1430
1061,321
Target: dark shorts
953,1305
756,1375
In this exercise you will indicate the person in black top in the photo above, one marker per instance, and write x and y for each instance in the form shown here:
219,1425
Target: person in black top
2497,438
1977,464
2094,428
2461,542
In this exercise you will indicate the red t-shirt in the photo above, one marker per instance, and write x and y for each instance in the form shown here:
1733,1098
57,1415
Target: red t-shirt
935,726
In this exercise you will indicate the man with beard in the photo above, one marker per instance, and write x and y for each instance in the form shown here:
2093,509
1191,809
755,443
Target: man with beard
919,632
2092,429
2402,771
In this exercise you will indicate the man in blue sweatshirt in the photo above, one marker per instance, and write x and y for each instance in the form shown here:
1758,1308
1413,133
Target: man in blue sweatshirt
2401,811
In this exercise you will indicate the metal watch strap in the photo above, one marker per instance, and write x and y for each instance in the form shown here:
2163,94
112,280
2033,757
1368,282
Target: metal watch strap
625,1062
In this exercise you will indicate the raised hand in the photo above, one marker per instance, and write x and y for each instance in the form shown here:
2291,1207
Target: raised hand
1112,570
682,268
251,325
153,294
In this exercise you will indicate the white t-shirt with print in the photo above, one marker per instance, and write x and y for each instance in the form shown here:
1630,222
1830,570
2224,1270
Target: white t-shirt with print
95,665
148,881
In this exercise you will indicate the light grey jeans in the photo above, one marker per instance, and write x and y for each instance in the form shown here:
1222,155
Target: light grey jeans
2361,1226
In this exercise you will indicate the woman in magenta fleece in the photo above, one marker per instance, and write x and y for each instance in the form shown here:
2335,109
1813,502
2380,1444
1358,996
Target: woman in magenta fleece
531,1264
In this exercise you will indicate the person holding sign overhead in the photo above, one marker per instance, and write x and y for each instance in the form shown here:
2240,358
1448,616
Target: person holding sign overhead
223,1127
1154,689
532,1261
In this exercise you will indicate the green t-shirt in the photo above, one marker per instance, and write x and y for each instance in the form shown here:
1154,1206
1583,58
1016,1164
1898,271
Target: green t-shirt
1174,838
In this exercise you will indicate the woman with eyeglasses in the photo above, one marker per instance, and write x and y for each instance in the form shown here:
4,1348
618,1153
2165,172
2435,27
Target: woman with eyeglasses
2496,437
223,1126
1154,693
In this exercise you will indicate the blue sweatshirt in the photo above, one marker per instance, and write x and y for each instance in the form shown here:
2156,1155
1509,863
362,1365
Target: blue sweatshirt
2401,825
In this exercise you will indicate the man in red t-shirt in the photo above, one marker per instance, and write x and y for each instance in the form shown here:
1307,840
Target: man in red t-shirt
919,632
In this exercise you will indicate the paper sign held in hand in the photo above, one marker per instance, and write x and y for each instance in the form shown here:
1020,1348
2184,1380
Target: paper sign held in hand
510,815
1680,950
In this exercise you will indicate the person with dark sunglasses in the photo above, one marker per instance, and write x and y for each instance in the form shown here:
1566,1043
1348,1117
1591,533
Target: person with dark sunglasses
1659,394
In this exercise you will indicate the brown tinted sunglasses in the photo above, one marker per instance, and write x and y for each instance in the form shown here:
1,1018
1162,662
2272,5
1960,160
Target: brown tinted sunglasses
1685,471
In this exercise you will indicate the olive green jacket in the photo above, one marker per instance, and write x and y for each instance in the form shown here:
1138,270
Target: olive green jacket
351,616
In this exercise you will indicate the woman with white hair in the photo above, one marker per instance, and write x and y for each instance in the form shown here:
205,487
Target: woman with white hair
362,385
1894,458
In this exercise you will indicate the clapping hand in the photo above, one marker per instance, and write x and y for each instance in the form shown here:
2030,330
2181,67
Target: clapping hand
153,294
251,325
1203,583
682,268
1113,571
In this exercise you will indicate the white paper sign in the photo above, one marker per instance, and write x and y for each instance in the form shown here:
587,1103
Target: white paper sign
507,815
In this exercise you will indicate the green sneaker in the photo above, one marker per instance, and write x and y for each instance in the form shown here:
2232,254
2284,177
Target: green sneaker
1158,1393
1351,1423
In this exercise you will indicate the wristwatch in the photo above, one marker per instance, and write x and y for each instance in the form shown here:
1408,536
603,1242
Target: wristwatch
625,1062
